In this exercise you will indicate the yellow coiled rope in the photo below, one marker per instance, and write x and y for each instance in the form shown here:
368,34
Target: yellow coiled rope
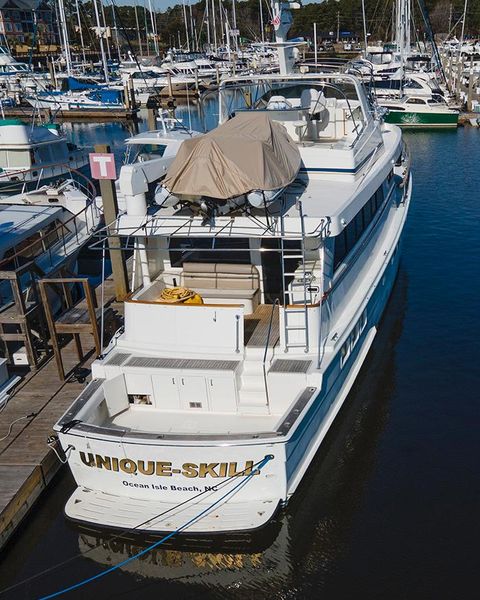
180,295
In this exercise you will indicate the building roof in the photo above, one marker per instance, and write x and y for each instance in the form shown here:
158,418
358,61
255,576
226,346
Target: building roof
21,4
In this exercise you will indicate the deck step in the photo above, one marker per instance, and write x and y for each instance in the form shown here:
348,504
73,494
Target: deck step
252,398
252,382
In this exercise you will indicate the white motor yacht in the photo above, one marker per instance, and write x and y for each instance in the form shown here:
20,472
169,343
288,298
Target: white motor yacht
260,278
32,155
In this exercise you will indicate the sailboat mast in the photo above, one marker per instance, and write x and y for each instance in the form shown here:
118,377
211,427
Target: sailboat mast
186,24
80,30
65,40
138,30
154,29
100,37
105,29
207,19
214,25
262,31
463,24
365,36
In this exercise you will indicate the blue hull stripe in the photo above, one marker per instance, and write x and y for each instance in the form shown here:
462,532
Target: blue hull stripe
298,445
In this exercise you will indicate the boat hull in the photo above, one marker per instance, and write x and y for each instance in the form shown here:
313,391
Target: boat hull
26,181
421,119
155,484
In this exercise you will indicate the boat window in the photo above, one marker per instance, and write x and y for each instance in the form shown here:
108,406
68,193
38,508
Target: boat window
31,246
140,399
8,265
292,92
18,158
345,241
144,152
43,154
410,83
212,250
50,233
415,101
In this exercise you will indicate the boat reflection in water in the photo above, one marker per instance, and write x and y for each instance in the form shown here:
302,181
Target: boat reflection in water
305,542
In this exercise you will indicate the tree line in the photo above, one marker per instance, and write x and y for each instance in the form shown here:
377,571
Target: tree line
331,16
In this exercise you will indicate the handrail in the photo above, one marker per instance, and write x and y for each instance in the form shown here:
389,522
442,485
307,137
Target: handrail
61,226
39,167
276,303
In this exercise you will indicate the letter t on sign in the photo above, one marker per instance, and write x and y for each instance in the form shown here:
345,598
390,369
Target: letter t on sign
102,165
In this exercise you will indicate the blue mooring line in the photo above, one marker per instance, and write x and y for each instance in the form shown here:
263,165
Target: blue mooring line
161,541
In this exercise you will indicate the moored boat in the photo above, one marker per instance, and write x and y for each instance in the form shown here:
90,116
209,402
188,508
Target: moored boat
33,155
419,112
259,282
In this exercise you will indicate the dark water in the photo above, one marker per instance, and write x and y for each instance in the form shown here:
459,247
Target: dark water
389,507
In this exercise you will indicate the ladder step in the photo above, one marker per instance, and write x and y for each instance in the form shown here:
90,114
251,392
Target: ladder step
295,328
295,345
291,311
293,256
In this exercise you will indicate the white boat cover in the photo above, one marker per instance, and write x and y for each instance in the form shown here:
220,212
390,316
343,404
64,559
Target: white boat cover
248,152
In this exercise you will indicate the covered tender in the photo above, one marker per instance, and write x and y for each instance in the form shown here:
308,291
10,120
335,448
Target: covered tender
248,152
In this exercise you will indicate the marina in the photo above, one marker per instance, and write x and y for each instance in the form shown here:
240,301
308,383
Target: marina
232,363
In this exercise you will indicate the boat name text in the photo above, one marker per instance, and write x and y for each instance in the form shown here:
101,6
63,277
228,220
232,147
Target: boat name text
165,469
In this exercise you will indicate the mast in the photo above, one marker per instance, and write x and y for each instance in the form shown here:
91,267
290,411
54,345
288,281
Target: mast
207,18
282,21
64,37
220,10
100,37
262,31
214,25
138,30
80,30
186,24
192,28
463,24
105,29
146,25
234,19
365,36
116,31
154,29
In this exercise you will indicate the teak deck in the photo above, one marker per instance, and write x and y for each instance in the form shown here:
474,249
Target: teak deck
257,327
27,464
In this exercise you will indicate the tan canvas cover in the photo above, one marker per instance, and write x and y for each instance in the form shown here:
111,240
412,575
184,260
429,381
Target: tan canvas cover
248,152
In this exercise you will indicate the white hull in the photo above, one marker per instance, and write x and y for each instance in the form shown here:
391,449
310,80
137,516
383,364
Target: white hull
110,467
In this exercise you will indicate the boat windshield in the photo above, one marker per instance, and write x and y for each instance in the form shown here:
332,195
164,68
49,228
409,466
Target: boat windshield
256,95
144,152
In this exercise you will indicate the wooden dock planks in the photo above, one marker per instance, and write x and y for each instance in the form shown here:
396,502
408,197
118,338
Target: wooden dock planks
27,464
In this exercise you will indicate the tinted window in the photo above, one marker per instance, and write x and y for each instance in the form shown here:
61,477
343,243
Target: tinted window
346,240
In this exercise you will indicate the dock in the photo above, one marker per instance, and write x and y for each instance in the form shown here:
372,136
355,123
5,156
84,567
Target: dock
27,112
27,463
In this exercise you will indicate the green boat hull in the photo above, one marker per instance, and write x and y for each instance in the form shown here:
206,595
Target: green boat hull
422,119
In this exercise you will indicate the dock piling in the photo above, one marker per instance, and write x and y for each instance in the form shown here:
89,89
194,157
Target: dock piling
110,211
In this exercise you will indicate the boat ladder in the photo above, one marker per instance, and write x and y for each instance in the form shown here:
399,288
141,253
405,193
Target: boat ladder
295,291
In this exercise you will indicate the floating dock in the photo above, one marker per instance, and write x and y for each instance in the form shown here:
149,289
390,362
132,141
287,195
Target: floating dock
27,463
45,114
